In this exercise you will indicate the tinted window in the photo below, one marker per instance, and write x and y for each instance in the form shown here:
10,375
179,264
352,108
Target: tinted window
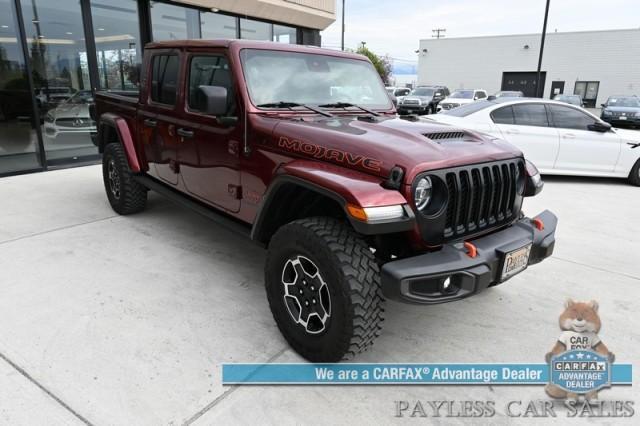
481,95
530,115
570,118
208,71
464,110
164,79
503,115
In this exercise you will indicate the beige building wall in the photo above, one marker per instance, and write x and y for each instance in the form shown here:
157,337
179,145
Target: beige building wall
315,14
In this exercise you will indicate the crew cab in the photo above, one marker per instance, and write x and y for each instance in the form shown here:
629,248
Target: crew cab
300,150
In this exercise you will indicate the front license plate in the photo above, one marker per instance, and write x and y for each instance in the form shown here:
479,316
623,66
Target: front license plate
410,111
622,117
515,261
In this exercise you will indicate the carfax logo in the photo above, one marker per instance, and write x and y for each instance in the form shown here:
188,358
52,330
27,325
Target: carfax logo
579,363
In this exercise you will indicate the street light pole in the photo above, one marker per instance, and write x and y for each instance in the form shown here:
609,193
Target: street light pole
342,44
539,90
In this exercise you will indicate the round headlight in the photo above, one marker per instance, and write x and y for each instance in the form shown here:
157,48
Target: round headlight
422,194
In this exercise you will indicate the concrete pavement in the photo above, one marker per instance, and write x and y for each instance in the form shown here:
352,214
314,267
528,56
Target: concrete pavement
126,320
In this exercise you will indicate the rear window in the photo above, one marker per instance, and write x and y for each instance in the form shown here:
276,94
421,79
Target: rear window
164,79
468,109
503,115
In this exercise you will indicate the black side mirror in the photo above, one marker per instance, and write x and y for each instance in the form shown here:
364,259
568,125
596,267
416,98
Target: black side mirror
603,105
491,98
599,126
212,100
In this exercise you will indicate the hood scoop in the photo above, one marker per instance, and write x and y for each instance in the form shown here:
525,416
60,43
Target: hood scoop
449,136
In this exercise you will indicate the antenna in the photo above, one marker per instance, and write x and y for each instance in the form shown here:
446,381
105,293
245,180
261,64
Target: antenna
438,32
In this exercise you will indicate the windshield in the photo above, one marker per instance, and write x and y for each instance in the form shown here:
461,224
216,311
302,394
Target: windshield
422,91
462,94
278,76
464,110
624,102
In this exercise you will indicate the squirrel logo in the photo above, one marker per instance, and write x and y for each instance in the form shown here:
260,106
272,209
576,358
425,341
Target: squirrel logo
580,324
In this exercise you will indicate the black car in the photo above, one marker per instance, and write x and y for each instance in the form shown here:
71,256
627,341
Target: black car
622,111
422,100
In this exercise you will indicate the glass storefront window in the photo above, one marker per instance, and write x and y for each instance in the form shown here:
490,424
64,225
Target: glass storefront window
216,26
18,137
255,30
284,34
58,57
171,22
117,38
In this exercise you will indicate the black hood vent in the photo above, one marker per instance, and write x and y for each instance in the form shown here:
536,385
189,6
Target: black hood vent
446,136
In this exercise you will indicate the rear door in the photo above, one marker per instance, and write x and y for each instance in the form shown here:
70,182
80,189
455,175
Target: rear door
157,116
527,126
582,149
209,151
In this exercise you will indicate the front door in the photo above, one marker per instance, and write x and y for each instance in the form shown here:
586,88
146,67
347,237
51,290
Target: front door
557,88
209,153
582,149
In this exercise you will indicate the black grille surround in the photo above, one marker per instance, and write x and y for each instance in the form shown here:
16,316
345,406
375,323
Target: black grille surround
479,199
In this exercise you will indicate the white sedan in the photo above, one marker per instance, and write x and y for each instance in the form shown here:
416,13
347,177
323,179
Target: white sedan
560,139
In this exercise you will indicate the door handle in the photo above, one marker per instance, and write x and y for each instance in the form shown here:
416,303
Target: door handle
569,136
185,133
150,123
513,132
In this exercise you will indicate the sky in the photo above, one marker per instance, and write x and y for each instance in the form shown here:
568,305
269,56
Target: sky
395,27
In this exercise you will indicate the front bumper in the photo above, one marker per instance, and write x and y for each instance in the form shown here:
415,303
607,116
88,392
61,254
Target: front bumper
629,121
420,279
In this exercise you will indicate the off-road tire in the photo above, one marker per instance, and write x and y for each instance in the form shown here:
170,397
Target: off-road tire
634,176
352,276
131,196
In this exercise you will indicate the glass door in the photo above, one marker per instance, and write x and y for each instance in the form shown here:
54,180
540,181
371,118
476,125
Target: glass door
19,145
58,57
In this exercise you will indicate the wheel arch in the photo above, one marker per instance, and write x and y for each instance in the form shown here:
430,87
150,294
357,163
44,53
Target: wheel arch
114,129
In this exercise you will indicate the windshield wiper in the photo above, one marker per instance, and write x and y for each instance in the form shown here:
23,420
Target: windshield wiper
291,105
349,105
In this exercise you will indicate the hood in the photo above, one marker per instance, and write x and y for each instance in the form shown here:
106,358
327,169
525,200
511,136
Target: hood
460,101
622,109
71,111
375,146
421,98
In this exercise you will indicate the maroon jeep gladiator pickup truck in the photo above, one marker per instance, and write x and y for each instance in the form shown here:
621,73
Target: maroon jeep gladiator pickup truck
300,149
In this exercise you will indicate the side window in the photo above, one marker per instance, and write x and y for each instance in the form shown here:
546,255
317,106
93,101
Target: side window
503,115
530,115
164,79
209,71
481,95
569,118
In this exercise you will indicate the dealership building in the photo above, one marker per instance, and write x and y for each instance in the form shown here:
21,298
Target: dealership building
592,64
54,54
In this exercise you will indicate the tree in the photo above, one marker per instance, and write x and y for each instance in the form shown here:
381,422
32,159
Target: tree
381,63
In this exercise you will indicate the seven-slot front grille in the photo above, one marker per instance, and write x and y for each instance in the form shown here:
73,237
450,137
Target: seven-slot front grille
480,197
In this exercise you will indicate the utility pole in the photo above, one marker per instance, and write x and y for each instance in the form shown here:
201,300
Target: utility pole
539,89
438,32
342,44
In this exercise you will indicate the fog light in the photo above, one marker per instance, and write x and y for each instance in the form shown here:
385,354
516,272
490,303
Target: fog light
448,287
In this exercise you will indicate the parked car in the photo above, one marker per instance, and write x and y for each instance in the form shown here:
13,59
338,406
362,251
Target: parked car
397,92
422,100
509,94
557,137
461,97
52,96
70,117
570,99
621,111
351,202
